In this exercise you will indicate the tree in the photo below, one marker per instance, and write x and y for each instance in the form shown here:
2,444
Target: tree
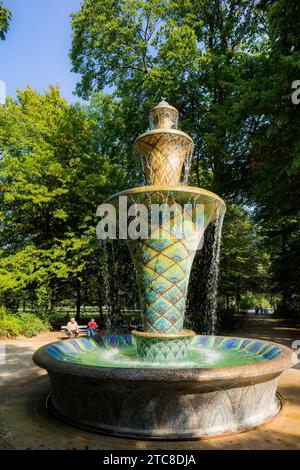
5,16
272,168
197,54
244,264
52,179
200,55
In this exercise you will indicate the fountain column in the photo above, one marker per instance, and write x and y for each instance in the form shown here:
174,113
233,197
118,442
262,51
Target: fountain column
164,259
163,262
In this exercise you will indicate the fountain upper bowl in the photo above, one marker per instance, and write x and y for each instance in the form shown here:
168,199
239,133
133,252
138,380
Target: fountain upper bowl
179,193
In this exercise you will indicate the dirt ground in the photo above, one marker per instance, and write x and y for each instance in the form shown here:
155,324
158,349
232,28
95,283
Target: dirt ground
25,423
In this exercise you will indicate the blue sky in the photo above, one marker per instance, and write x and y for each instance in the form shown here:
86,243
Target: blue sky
36,49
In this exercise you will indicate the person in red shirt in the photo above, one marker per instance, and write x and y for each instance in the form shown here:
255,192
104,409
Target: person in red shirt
92,328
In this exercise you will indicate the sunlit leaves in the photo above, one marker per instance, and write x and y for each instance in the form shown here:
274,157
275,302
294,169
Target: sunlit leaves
5,16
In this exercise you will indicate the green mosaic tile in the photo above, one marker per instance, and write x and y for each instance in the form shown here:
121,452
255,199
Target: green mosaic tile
172,316
161,305
159,245
162,325
155,349
147,254
148,276
160,285
175,274
163,267
173,295
152,315
160,264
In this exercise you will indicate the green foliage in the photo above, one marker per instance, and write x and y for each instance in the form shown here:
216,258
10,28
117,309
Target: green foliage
249,300
272,172
31,325
5,16
244,262
26,324
9,324
52,180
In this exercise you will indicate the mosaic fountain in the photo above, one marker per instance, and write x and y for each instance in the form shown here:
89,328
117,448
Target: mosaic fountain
165,382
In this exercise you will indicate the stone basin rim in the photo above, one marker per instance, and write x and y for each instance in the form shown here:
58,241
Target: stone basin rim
269,367
192,190
163,130
180,334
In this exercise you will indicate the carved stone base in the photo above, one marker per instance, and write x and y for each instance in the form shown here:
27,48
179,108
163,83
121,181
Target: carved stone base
178,413
160,347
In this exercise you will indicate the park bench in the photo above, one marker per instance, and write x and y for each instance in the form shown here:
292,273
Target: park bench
81,328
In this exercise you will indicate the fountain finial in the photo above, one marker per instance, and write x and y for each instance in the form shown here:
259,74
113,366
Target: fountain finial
164,116
164,149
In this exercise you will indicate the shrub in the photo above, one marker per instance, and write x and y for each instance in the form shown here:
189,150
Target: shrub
9,324
31,325
26,324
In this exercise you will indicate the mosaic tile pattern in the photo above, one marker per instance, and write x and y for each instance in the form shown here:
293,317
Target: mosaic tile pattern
163,156
163,266
267,350
172,410
155,349
71,347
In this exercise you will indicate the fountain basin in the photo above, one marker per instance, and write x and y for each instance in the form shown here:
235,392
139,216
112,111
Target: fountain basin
198,397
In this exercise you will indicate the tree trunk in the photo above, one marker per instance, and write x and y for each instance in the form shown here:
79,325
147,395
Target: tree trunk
78,299
238,302
49,300
100,304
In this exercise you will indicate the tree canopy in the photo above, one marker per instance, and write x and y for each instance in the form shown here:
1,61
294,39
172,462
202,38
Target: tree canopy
5,16
52,180
228,66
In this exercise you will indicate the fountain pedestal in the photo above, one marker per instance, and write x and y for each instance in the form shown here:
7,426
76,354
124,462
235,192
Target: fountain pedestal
163,261
158,347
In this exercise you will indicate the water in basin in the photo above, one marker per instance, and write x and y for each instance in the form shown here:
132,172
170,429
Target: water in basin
198,357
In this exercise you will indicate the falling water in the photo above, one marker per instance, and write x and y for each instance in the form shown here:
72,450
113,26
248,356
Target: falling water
201,312
109,269
187,167
210,306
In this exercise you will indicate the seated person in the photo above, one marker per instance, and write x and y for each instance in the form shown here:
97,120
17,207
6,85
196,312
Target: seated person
72,328
133,324
92,328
